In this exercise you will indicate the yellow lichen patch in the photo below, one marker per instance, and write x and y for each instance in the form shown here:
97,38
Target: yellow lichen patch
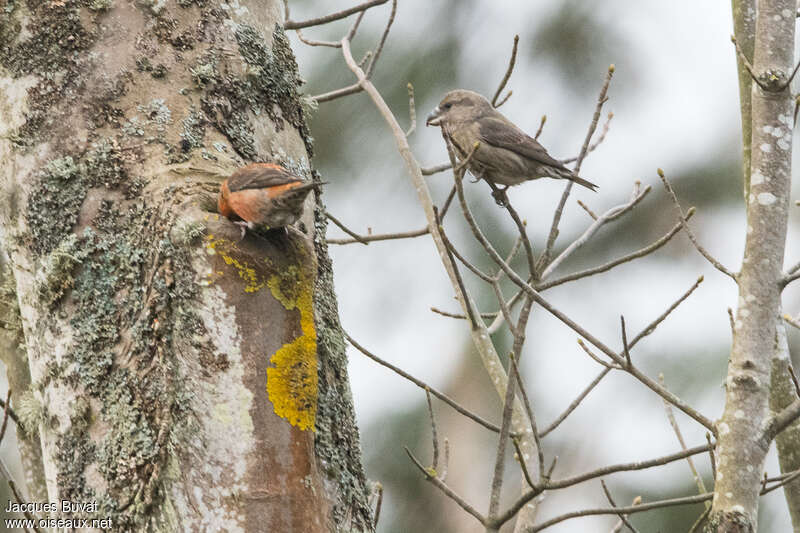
292,381
223,247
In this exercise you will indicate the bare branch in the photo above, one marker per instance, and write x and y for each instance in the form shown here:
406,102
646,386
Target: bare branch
586,208
292,25
676,428
590,353
651,327
609,216
622,516
312,42
700,520
377,54
647,250
434,433
507,75
688,500
598,142
522,464
551,238
428,171
719,266
529,409
575,403
625,349
504,99
5,414
424,386
780,421
711,456
412,111
344,228
18,499
431,476
338,93
366,239
541,127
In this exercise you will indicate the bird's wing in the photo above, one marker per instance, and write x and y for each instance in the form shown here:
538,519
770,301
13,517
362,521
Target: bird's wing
260,176
501,134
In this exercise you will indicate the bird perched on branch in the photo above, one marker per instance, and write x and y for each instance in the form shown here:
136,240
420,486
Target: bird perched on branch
505,155
263,195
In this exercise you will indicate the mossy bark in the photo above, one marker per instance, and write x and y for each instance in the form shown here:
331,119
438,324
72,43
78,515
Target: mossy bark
182,377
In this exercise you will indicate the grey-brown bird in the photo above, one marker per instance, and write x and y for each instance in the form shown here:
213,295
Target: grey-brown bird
506,155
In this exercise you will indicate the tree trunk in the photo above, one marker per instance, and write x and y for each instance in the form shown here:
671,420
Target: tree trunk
744,29
743,438
184,379
782,394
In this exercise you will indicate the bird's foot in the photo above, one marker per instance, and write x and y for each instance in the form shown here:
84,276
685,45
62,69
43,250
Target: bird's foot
243,226
500,196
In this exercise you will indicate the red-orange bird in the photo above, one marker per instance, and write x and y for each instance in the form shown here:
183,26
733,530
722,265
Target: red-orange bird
264,195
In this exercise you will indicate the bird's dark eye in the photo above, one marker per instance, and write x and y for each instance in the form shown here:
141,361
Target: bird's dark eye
448,105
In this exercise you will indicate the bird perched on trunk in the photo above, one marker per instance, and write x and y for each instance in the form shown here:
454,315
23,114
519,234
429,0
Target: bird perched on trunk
506,155
263,195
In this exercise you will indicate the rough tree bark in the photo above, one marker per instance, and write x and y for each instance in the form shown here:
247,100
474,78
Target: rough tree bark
183,379
743,431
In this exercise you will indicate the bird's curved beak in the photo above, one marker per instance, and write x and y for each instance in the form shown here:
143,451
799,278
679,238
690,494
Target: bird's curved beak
435,117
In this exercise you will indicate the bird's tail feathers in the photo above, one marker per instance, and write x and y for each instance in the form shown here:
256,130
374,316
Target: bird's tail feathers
567,174
586,183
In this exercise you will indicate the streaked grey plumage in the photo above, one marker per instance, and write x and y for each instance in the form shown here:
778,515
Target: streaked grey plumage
506,155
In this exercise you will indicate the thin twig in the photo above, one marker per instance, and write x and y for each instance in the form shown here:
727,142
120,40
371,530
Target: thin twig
424,386
688,500
609,216
551,238
625,348
344,228
647,250
7,407
794,380
5,415
312,42
366,239
460,316
504,99
711,457
597,143
378,49
430,476
507,75
338,93
590,353
700,520
575,403
651,327
791,321
541,127
434,435
719,266
27,513
586,208
428,171
614,505
701,487
522,464
412,111
529,409
292,25
377,513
